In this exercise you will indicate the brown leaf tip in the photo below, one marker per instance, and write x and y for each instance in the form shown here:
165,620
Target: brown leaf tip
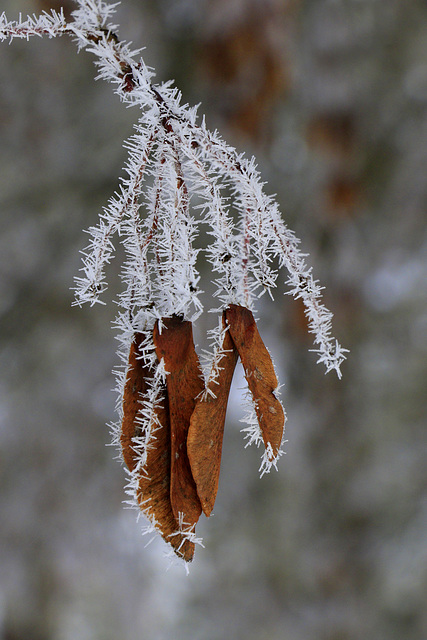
262,383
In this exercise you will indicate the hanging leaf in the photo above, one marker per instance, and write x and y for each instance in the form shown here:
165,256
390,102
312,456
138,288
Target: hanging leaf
153,477
260,375
154,486
204,442
174,343
134,391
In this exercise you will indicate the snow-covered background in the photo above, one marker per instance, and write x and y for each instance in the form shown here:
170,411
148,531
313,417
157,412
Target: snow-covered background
331,96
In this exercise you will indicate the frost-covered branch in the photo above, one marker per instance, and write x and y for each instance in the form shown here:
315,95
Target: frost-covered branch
48,24
210,162
174,160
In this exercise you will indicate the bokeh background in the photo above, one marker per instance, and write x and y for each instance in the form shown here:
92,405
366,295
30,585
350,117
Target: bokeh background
331,96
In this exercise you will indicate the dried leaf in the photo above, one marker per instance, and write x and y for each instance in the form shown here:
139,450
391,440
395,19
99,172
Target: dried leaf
154,486
259,373
204,442
153,492
184,383
135,388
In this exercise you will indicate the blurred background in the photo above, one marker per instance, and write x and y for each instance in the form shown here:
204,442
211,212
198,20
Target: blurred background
331,97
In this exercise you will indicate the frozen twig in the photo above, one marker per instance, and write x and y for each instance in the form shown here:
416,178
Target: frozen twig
173,159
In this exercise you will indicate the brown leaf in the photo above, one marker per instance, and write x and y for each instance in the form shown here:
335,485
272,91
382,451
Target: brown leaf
204,442
259,373
135,388
153,492
154,486
184,383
